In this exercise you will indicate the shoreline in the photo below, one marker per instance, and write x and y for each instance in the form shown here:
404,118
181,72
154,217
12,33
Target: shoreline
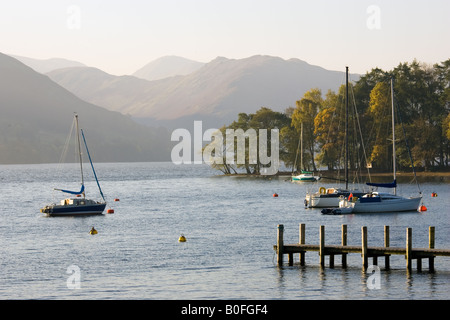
441,176
331,174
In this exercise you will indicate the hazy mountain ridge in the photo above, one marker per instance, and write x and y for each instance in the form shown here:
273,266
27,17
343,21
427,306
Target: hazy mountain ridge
37,115
37,109
168,66
219,90
47,65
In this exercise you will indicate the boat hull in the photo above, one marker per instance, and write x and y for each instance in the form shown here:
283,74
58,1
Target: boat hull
318,200
306,176
324,201
385,206
307,179
75,210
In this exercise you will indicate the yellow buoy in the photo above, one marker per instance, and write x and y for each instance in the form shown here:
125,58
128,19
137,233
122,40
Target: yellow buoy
93,231
182,239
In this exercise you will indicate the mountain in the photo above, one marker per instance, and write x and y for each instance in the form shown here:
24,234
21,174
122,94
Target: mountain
216,93
47,65
166,67
36,115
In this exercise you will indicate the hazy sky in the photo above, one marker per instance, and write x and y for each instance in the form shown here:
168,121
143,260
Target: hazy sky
121,36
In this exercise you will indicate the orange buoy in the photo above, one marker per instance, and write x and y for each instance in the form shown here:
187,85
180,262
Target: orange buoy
434,194
110,211
275,195
422,208
116,199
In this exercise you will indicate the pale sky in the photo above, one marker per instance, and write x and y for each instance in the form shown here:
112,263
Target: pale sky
121,36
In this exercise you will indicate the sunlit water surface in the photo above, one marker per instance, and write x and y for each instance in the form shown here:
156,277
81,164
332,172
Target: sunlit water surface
230,224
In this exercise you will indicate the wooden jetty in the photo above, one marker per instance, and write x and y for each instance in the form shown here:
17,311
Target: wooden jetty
366,252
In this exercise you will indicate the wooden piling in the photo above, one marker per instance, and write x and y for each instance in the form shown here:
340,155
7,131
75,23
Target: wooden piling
364,247
290,259
302,241
280,244
344,243
322,246
409,249
386,245
431,231
419,264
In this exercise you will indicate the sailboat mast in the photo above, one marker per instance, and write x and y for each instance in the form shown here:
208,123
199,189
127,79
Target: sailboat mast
393,136
79,150
346,128
301,148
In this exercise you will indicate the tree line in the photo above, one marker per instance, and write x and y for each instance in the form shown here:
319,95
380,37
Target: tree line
422,104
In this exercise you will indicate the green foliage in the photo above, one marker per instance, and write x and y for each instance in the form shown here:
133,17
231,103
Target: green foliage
264,118
422,100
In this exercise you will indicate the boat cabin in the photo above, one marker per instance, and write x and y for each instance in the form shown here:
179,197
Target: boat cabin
76,202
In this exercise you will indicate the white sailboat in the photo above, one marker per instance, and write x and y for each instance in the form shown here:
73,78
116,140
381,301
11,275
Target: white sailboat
306,176
373,202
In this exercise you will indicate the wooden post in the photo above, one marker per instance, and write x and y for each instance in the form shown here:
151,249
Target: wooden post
344,243
322,246
431,231
364,247
386,245
409,249
302,241
280,244
419,264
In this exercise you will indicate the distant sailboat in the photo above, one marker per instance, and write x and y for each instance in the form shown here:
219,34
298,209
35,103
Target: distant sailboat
304,175
77,205
383,202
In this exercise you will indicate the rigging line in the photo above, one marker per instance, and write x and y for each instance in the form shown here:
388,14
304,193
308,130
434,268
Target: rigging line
296,155
66,144
64,152
360,132
92,165
407,146
339,102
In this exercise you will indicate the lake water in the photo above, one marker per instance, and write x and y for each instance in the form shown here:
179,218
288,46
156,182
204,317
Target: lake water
230,224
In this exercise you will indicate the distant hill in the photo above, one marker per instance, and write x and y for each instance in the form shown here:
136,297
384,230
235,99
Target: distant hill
36,115
215,93
166,67
47,65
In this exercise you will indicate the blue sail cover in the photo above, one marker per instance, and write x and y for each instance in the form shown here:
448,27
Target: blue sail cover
383,185
73,192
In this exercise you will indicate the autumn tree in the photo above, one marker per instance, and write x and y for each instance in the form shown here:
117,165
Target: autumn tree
305,112
328,131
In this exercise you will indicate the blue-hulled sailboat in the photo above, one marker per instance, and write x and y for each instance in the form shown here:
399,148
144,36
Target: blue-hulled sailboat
78,205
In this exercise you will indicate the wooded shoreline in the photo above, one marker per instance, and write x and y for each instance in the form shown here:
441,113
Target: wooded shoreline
332,175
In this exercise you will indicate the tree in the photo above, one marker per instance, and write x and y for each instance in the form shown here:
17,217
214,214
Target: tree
305,112
328,132
379,110
248,125
420,91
